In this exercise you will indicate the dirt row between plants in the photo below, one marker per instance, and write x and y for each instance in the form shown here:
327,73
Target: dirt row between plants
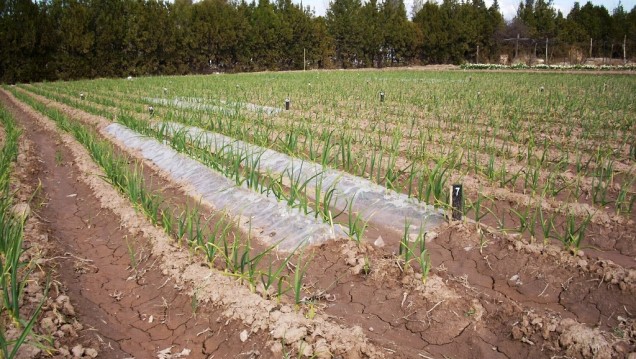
473,299
58,315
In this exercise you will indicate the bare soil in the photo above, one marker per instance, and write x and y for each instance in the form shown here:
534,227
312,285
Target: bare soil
489,294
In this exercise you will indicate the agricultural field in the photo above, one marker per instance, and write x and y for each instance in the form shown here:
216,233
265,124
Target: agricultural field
306,214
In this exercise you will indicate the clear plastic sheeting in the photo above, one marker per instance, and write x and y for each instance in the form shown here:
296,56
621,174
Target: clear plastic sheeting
227,108
268,220
191,103
268,110
374,203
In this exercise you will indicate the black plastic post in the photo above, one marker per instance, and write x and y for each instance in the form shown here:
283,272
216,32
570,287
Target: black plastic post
457,203
287,102
151,110
382,96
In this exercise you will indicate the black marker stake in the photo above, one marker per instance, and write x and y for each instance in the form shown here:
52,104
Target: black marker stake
457,202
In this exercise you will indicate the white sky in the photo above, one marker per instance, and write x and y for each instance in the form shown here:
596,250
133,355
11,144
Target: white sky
507,7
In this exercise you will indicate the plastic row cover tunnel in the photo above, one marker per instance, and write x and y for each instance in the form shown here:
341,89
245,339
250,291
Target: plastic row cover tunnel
224,107
269,220
373,202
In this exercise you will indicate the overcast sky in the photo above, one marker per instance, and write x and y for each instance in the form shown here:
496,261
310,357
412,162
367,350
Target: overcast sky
508,7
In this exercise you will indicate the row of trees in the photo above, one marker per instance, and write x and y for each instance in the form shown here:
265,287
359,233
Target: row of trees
606,32
68,39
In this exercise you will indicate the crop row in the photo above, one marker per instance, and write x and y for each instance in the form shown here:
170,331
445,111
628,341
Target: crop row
522,66
14,270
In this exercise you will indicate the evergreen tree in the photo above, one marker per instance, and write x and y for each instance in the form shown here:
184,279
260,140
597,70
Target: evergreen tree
372,25
324,50
540,17
572,32
73,57
25,41
399,34
269,36
342,24
109,27
301,37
